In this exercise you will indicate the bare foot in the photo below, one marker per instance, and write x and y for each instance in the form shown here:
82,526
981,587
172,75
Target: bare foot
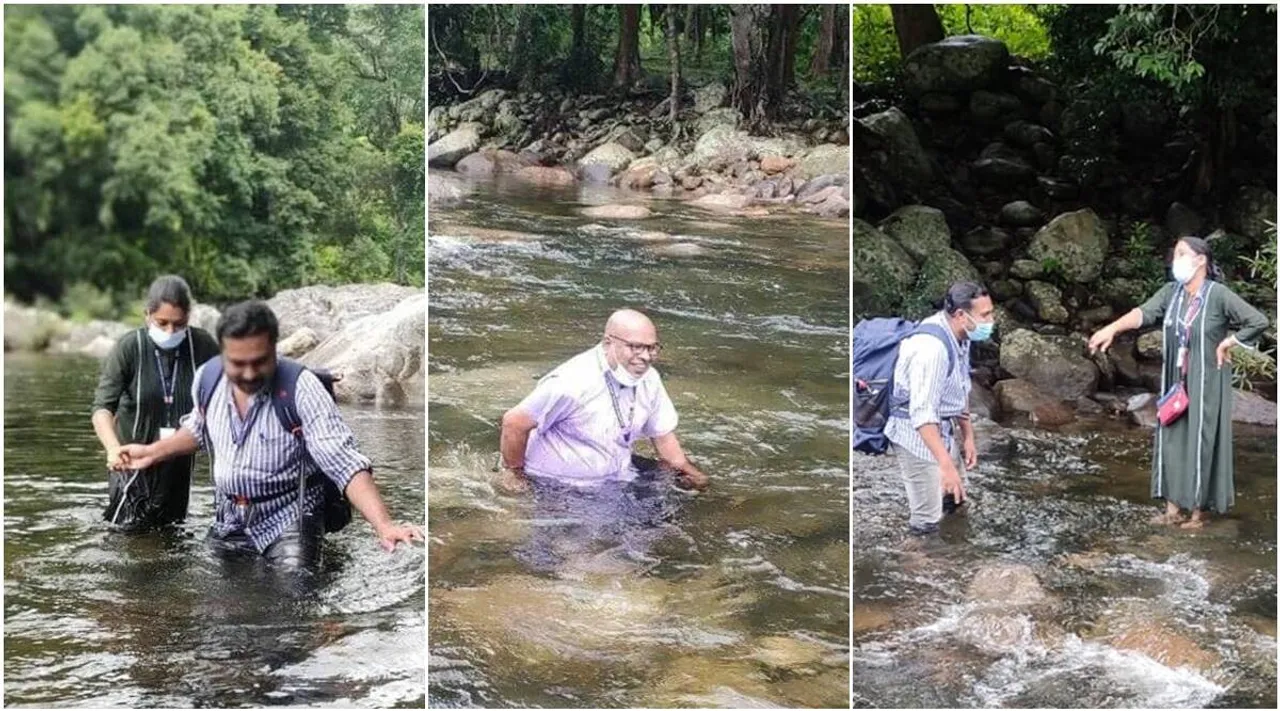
1193,524
1167,518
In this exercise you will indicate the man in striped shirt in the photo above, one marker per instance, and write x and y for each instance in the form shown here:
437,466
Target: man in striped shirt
932,435
256,460
580,422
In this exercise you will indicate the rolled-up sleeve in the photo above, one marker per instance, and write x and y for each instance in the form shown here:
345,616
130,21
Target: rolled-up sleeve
193,422
329,440
926,371
113,377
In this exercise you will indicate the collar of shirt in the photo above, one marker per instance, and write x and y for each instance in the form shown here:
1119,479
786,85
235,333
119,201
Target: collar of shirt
962,349
239,425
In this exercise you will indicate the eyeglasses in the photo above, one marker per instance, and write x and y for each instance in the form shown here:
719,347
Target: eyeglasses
653,349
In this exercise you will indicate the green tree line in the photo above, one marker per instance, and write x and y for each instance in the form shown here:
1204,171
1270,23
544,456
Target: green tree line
761,52
248,148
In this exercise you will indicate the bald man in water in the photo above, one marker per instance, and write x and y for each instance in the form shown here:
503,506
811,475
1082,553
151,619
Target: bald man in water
581,420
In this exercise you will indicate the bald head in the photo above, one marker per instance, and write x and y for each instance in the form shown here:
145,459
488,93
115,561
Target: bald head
631,325
630,341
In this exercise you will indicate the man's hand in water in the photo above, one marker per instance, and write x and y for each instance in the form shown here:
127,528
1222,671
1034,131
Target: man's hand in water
392,534
691,478
134,456
513,481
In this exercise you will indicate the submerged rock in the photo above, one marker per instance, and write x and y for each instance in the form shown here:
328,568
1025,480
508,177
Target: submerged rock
617,212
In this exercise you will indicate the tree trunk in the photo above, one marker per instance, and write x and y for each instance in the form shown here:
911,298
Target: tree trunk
748,26
673,55
626,63
791,15
821,63
579,28
915,25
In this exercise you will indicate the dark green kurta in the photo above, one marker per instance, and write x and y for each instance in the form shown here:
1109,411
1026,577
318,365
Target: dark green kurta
129,386
1194,465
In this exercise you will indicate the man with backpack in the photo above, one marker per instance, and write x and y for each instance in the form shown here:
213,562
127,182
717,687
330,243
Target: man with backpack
285,465
912,391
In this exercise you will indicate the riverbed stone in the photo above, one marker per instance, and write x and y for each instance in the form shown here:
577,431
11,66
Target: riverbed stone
1053,364
722,202
825,159
994,107
1006,585
379,355
1141,409
1151,345
1076,241
299,343
616,212
907,163
986,242
1027,134
613,156
955,64
1252,409
456,144
709,97
882,263
1026,269
546,176
1047,301
1021,213
921,230
1252,212
329,309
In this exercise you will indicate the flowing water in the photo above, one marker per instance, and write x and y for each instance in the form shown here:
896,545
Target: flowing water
1056,591
736,597
99,619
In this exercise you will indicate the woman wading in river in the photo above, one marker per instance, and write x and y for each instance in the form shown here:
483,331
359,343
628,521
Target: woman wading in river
143,389
1193,468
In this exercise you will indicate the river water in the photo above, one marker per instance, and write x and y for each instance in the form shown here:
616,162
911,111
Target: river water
1055,590
99,619
736,597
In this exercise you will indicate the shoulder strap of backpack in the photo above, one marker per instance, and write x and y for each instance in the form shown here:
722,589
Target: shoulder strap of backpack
284,395
210,374
937,332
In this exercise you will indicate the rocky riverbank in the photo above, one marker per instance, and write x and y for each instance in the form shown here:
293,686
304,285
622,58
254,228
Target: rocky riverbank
978,167
372,333
558,139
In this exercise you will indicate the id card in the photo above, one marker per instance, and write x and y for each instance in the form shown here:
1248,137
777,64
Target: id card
167,432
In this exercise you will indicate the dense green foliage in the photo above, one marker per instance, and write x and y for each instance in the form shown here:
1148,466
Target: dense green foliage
875,48
476,47
248,148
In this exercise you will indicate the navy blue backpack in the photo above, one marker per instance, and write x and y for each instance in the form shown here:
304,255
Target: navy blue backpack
284,388
875,352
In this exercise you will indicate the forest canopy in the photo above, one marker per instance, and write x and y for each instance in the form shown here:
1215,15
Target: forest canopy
247,148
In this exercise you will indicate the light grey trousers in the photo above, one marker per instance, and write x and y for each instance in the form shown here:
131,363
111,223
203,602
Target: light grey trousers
923,480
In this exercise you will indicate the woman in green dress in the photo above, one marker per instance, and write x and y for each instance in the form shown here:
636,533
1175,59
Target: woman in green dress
143,389
1194,468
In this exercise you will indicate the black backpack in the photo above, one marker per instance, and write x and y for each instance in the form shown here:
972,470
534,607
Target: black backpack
284,388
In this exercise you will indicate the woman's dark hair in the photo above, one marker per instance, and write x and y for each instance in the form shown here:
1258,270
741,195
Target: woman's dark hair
246,319
961,295
1201,247
169,289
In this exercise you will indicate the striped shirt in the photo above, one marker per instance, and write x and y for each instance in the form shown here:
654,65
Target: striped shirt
933,394
587,420
256,457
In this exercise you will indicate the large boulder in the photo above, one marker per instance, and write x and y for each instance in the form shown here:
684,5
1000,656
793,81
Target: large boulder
95,338
882,265
823,160
726,117
1076,241
456,144
955,64
546,176
709,97
31,329
1252,212
613,156
722,146
488,162
204,316
1021,213
942,269
908,163
1046,299
298,343
1253,409
1055,365
722,202
445,188
921,230
379,354
328,309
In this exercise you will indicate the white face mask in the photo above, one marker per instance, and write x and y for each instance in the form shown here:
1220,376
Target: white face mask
624,376
1183,269
164,339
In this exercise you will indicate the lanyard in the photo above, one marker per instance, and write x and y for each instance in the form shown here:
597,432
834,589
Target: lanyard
1184,333
240,429
624,426
167,384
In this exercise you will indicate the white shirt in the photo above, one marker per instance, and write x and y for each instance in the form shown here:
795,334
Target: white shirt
933,393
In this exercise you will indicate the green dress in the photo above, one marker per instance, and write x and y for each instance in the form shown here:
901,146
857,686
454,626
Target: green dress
1193,464
130,386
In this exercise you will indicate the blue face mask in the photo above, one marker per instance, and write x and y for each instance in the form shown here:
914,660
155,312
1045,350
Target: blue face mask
981,331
